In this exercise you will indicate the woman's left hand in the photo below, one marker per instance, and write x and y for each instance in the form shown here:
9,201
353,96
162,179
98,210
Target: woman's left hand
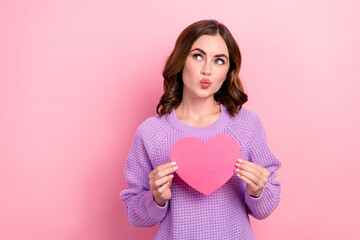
254,175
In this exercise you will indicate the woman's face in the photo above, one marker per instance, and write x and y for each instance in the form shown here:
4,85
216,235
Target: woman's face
205,67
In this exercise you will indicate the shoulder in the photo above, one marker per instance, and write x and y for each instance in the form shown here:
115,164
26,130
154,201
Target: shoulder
151,127
151,132
245,123
246,118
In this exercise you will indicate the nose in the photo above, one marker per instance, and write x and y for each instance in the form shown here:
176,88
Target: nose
206,68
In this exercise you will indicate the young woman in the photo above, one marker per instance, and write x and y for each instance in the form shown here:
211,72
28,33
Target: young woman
203,98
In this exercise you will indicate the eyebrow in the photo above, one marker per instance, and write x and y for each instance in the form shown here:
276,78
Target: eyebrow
203,52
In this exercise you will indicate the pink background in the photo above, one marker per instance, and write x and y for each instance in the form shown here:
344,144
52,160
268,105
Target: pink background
78,77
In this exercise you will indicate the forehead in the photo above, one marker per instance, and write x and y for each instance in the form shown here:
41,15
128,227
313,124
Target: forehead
212,45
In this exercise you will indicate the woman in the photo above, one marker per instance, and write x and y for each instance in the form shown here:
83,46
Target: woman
203,97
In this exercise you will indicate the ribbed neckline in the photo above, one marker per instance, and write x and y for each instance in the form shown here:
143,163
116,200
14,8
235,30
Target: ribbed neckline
200,131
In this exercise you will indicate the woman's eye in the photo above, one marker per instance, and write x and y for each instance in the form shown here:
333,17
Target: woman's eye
197,56
219,61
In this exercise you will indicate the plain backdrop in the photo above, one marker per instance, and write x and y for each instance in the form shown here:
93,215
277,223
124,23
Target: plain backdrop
77,77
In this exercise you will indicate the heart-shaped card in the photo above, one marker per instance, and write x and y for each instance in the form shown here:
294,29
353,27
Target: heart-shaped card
206,167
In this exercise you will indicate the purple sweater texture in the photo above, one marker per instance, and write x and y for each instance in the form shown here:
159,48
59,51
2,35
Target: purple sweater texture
189,214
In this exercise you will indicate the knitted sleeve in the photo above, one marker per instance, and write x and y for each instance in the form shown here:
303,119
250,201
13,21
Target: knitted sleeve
259,153
141,208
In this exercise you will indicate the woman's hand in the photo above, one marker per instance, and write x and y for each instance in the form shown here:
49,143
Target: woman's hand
160,180
254,175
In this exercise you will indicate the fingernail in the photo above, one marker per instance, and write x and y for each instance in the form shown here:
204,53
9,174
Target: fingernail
237,164
176,167
240,160
171,176
173,163
237,170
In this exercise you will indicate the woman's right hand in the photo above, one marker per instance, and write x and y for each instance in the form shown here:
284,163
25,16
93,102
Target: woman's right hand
160,180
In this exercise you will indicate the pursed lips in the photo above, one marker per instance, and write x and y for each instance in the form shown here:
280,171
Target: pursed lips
205,81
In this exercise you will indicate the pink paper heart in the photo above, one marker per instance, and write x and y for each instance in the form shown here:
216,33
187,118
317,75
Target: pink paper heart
206,167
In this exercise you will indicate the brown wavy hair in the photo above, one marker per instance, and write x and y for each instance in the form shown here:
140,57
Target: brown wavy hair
231,93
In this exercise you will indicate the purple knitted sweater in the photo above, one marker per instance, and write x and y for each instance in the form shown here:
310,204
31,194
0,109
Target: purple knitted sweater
189,214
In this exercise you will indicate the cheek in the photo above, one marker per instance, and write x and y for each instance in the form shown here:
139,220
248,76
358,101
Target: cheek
221,74
189,71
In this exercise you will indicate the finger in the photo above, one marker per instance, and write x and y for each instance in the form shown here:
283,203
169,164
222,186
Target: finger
246,162
162,167
165,172
249,168
254,179
163,187
261,171
163,180
248,181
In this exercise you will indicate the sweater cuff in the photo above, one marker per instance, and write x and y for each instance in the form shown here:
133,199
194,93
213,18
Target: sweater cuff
261,206
154,209
256,200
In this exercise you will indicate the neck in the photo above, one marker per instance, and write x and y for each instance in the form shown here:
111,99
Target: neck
197,109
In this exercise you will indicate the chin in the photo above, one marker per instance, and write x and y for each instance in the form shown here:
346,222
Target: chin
201,93
204,94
